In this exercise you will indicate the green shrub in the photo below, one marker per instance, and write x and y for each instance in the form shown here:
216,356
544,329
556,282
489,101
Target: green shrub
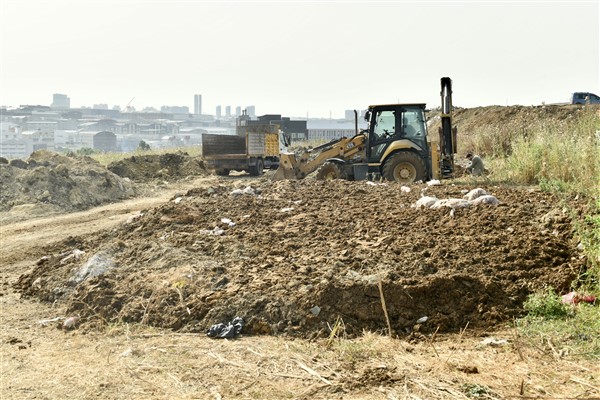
546,304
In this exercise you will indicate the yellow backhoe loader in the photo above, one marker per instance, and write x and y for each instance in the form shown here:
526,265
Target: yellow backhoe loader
395,146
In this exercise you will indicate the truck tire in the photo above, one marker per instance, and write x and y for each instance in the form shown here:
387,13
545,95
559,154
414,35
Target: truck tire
258,169
331,170
404,167
222,171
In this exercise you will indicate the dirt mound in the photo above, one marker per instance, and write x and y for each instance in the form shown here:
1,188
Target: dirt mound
294,256
52,181
162,166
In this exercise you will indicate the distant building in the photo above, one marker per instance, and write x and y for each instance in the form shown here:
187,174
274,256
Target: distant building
198,104
105,141
251,111
218,112
60,101
228,111
330,129
100,106
238,111
175,109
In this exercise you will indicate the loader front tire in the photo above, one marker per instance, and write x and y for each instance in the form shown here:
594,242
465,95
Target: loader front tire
222,171
404,167
331,170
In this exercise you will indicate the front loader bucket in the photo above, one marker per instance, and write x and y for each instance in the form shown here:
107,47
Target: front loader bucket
287,167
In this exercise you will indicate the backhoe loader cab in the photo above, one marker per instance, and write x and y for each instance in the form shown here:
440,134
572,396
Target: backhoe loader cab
395,146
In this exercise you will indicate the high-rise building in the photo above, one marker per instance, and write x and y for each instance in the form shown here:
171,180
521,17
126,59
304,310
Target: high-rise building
228,111
218,112
60,101
238,111
251,111
198,104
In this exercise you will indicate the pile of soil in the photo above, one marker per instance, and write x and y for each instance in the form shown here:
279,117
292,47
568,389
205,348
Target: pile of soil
292,257
53,181
172,166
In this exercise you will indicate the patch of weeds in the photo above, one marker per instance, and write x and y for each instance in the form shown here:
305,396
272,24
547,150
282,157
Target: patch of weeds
547,305
553,185
568,330
476,391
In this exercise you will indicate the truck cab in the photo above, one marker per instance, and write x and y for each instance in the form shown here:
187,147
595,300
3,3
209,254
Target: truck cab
584,98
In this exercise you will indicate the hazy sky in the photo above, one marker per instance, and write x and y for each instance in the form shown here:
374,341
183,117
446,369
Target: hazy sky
297,57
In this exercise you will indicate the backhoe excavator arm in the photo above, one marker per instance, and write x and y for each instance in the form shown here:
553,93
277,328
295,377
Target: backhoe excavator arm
298,167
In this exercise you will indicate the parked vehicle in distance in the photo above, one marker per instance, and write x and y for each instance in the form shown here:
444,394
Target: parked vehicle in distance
584,98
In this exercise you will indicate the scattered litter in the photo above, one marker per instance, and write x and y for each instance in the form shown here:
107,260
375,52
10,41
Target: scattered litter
70,322
133,218
510,229
452,211
76,254
434,182
371,183
227,331
486,199
422,320
297,201
45,322
575,298
214,232
246,190
177,200
315,310
286,209
97,265
491,341
425,201
227,221
127,352
453,203
405,189
475,193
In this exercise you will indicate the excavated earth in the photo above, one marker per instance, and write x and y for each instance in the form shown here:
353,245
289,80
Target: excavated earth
150,167
297,257
47,182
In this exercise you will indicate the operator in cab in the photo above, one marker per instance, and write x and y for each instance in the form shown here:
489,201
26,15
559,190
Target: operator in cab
476,167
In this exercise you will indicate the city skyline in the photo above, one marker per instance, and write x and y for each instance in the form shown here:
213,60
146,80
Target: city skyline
297,58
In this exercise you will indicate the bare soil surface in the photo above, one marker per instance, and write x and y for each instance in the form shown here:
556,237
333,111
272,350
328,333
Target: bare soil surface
293,256
294,246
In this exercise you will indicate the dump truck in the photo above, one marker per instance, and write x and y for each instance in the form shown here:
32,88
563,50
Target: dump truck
252,149
396,146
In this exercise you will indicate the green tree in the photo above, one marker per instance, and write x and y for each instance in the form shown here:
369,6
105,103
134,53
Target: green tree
143,146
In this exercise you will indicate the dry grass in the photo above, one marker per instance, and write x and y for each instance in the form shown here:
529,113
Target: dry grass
137,362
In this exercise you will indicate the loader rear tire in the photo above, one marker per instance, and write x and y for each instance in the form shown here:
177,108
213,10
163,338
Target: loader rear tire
331,170
404,167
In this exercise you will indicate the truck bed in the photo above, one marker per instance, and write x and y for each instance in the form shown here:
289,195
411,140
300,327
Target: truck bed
223,145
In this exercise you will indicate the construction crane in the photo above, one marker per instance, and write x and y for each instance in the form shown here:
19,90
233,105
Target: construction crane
128,107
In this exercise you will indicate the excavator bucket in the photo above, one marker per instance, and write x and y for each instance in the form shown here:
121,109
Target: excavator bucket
287,167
